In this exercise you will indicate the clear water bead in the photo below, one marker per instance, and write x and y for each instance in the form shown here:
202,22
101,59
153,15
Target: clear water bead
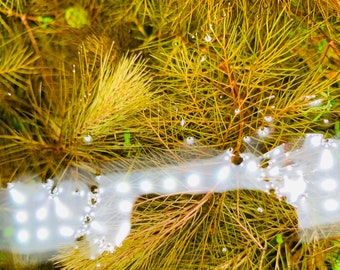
190,140
87,139
268,119
263,132
207,38
182,123
260,209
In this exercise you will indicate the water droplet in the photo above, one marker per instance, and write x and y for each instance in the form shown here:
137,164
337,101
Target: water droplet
272,191
97,179
308,97
263,132
194,37
260,209
10,185
190,140
236,159
78,192
207,38
54,191
73,68
203,58
268,119
315,103
264,163
49,184
87,139
175,43
270,97
93,201
237,111
87,219
182,123
247,139
94,188
224,250
80,236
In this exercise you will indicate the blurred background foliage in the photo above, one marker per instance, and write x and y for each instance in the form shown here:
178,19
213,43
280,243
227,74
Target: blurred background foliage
107,81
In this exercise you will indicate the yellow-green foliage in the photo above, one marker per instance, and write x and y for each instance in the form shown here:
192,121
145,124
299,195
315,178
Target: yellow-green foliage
108,80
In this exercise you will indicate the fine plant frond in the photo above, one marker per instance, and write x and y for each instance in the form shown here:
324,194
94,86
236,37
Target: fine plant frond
97,107
227,89
15,5
16,62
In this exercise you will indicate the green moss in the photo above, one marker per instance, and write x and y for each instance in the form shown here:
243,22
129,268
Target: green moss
76,17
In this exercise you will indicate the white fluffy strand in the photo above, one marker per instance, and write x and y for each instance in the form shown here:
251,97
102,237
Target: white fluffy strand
37,219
